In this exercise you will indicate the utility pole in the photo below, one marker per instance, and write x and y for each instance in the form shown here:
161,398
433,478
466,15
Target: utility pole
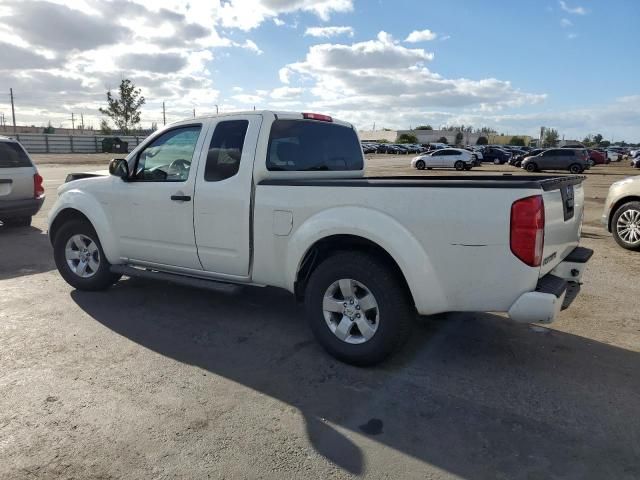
194,113
13,111
82,121
73,122
164,115
216,109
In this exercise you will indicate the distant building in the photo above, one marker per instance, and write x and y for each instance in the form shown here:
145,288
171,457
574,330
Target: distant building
432,136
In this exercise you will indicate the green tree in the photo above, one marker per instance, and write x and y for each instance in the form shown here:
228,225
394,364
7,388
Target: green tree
517,141
49,129
551,137
597,139
587,141
482,141
407,138
459,138
124,110
105,128
605,143
424,127
443,140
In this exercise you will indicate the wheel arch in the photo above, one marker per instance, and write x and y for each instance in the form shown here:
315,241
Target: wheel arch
76,205
371,231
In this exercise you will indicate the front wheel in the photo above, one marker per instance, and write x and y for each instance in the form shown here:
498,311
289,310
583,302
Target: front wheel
420,165
626,226
358,308
459,165
531,167
80,259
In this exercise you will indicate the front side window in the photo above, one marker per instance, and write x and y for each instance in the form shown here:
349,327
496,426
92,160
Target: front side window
13,155
168,157
225,150
307,145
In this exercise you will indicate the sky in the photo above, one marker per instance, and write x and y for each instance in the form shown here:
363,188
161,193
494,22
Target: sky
511,65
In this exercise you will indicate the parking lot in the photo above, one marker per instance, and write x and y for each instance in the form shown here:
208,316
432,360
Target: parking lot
152,380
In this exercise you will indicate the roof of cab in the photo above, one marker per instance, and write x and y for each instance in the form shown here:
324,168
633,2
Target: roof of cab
277,113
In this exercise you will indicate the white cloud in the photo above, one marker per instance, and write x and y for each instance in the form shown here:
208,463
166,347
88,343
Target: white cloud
286,93
248,14
327,32
382,79
565,23
572,36
578,10
278,22
250,45
421,36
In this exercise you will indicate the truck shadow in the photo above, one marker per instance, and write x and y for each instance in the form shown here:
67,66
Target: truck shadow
472,394
24,251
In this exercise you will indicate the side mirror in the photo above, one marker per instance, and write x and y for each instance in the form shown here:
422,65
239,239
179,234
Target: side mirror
119,167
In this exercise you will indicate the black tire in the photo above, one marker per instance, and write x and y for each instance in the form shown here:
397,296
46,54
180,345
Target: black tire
467,167
420,165
459,165
396,313
18,222
102,278
627,207
575,168
531,167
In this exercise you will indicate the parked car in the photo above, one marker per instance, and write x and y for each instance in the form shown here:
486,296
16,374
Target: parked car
614,154
21,189
282,201
457,158
635,162
599,158
496,155
574,160
517,160
622,212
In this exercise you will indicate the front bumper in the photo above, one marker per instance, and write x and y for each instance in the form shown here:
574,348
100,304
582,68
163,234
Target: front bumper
554,292
20,208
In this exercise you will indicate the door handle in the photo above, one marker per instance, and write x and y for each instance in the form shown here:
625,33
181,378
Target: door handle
181,198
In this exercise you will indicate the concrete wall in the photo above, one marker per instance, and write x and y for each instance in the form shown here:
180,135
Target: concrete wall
41,143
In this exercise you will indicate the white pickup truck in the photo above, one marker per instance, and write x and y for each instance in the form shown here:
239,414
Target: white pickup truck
280,199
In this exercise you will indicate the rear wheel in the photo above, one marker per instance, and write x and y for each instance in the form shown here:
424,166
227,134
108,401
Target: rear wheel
80,259
459,165
358,308
575,168
531,167
625,226
420,164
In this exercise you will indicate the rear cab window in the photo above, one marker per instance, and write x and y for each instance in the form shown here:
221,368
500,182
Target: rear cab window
311,145
12,155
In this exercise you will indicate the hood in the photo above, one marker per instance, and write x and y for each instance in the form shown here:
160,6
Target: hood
80,180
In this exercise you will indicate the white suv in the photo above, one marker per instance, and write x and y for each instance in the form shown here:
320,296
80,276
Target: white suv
21,189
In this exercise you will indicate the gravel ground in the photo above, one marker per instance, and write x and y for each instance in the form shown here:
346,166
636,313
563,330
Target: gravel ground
150,380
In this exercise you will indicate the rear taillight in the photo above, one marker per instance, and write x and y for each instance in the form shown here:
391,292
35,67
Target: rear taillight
38,188
527,230
317,116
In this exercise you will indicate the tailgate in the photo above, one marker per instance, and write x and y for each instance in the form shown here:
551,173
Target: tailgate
563,210
16,183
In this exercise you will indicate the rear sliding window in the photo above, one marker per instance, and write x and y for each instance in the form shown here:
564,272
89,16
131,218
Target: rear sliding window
306,145
13,156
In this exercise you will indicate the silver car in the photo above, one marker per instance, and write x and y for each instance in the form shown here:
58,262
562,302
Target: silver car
622,212
21,188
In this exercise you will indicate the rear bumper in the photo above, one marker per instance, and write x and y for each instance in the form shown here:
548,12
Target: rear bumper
554,292
20,208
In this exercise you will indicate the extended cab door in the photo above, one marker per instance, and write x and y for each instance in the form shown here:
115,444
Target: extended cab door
222,214
154,214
